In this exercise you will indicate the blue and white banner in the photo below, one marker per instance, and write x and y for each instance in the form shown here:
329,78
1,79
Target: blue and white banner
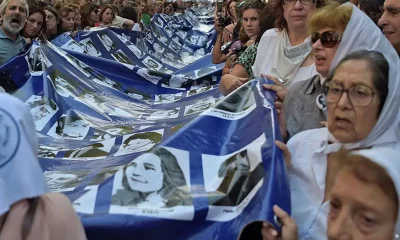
151,152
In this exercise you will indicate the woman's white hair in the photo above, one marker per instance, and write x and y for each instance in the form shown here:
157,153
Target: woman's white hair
4,5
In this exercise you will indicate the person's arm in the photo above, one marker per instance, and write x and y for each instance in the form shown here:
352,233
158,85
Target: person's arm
230,82
64,223
128,24
240,71
227,34
217,55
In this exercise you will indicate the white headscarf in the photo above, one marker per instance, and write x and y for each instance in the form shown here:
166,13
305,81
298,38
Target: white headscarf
388,158
362,34
21,176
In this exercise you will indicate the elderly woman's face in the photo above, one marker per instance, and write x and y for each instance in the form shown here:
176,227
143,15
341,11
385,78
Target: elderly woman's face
353,114
296,15
360,210
324,55
145,174
51,22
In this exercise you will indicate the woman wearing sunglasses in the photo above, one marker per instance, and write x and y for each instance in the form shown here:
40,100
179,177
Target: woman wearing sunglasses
363,98
90,15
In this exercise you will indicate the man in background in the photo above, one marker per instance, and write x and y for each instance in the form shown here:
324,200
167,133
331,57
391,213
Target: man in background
390,22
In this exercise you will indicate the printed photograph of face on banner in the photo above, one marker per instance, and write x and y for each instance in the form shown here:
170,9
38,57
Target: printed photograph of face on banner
237,105
234,182
42,110
68,127
90,48
139,142
164,114
121,57
152,64
167,98
155,184
106,41
198,107
94,151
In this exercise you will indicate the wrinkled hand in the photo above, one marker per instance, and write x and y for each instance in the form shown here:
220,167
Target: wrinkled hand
286,154
280,89
281,119
231,60
289,227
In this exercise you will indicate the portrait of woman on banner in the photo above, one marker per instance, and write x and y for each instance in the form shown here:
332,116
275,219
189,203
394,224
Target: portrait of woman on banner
153,179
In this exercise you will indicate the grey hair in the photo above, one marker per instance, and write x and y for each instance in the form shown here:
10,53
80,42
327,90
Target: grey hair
4,5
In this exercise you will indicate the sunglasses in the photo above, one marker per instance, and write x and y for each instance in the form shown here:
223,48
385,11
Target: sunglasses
328,39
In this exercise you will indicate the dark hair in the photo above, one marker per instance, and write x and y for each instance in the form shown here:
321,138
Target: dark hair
42,32
42,4
85,11
266,21
372,9
130,13
276,10
174,187
104,8
379,67
228,5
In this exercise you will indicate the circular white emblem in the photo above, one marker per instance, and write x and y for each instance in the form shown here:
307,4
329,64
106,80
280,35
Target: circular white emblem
9,137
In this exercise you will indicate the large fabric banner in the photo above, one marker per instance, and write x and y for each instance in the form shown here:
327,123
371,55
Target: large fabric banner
146,151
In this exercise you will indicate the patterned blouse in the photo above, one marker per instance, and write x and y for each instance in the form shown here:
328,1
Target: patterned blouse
247,58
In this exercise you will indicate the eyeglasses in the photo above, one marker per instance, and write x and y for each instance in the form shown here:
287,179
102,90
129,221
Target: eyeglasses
359,95
50,17
328,39
293,2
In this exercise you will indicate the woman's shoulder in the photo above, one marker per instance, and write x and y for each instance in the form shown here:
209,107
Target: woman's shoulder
270,34
313,137
61,217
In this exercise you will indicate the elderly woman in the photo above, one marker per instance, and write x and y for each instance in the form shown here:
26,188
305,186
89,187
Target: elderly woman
304,105
363,99
35,25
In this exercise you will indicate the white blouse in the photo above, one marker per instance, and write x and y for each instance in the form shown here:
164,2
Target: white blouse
307,183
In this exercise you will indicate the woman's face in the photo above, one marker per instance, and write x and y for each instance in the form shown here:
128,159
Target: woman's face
33,25
107,16
346,122
145,174
51,22
94,15
296,15
169,10
360,210
322,55
232,10
68,21
159,7
251,22
77,19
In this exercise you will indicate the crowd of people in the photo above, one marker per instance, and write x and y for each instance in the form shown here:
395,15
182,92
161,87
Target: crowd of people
334,67
335,71
24,21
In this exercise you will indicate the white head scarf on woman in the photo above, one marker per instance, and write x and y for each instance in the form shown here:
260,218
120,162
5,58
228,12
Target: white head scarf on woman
388,158
21,176
364,34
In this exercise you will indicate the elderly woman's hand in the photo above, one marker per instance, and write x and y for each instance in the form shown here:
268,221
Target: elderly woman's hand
289,227
230,83
277,87
286,153
281,119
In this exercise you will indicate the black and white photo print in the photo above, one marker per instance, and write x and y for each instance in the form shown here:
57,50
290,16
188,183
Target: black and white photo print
155,184
121,57
106,41
41,111
152,64
139,142
69,127
231,181
90,48
164,114
198,107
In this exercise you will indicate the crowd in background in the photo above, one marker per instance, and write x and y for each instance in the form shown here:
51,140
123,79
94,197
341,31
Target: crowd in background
334,66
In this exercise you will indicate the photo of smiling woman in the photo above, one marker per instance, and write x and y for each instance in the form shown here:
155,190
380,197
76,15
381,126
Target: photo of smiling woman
153,180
